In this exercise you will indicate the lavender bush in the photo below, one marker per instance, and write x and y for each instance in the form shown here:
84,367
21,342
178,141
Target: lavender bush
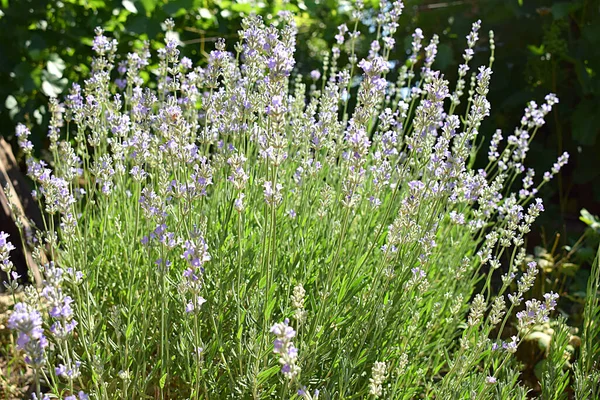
239,231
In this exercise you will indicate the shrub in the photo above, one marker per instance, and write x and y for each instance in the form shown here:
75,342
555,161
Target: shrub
238,231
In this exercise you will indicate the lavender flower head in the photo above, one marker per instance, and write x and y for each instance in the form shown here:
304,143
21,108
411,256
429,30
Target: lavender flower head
315,75
59,303
5,248
283,345
196,252
27,322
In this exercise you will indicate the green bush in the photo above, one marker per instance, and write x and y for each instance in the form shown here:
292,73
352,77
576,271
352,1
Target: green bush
231,229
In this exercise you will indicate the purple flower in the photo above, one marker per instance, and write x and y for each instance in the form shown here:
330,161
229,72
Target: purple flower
285,348
342,30
60,370
511,346
27,321
5,248
551,300
186,63
121,83
5,245
196,252
283,330
102,45
189,307
272,195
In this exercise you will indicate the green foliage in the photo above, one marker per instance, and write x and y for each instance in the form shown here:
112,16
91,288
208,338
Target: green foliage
555,377
590,220
590,348
587,371
201,222
542,46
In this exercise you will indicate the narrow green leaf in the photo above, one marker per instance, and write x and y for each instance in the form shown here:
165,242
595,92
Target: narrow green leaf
263,376
162,381
129,330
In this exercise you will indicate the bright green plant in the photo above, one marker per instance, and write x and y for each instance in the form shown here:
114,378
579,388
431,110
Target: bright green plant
587,373
238,231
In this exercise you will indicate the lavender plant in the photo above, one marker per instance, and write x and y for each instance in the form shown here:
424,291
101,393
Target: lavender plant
242,232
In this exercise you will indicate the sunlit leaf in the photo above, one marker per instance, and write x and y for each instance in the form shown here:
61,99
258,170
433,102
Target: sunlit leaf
590,220
129,6
11,105
569,269
205,13
56,66
162,381
149,5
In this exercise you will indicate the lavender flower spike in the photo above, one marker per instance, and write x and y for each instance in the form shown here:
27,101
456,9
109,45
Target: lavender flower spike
285,348
27,321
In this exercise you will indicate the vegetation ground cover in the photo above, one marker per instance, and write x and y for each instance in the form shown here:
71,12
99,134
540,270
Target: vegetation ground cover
239,230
